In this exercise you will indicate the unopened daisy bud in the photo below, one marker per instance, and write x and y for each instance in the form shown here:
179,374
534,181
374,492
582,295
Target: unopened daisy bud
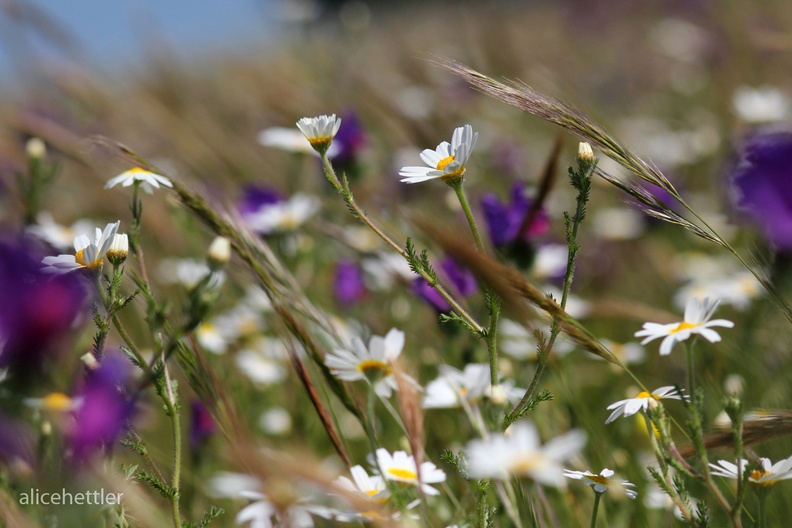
585,153
219,252
119,249
320,131
36,149
89,360
498,395
733,384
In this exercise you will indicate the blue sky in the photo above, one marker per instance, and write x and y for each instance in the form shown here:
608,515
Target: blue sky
112,32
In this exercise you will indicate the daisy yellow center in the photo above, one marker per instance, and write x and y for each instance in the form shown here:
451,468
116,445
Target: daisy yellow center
57,401
684,325
402,473
443,163
757,474
321,141
78,257
645,395
463,391
526,463
599,479
373,366
137,170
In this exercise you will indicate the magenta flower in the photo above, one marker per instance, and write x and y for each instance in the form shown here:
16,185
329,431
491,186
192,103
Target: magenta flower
505,219
40,312
104,411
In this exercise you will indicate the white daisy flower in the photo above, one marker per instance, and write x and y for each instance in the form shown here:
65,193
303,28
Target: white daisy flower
320,131
401,467
603,482
447,161
149,180
368,488
641,402
697,321
453,386
520,453
767,475
89,255
264,514
283,216
372,364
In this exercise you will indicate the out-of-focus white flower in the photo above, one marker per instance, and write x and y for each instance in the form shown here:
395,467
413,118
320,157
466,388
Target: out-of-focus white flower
56,402
58,236
401,467
550,261
603,482
263,364
696,321
189,273
386,269
447,161
276,421
768,475
738,290
641,402
453,386
283,216
764,104
520,453
628,353
89,254
148,180
290,140
618,223
372,364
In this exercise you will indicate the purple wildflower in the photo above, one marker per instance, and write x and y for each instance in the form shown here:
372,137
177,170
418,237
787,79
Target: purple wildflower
763,185
460,279
254,197
350,138
505,219
40,311
202,425
105,408
348,285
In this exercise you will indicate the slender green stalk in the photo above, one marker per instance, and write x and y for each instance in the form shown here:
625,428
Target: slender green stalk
482,511
361,215
697,430
173,412
493,302
458,186
581,180
762,493
597,498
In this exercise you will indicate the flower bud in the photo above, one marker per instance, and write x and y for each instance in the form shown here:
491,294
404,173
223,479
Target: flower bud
119,249
498,396
585,153
219,252
36,149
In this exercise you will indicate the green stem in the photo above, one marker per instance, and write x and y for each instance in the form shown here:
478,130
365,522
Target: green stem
597,497
494,303
762,520
458,187
171,403
360,214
